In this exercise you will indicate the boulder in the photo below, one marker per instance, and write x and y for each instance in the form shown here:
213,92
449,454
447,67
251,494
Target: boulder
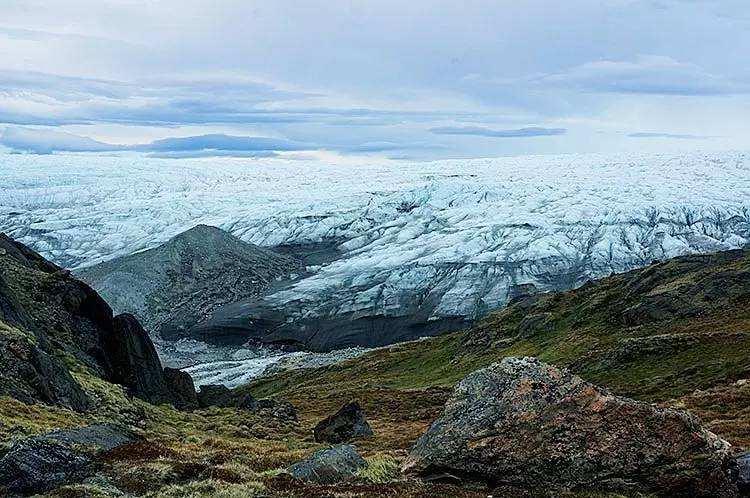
345,425
134,361
527,425
329,466
282,409
40,463
743,473
181,388
216,395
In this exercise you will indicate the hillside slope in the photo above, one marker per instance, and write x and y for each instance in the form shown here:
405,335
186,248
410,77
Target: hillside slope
179,284
659,334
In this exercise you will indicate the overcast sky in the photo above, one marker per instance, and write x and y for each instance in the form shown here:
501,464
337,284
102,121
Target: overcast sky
416,79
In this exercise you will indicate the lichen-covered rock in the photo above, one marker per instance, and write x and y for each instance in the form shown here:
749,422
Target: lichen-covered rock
329,466
521,423
181,388
345,425
46,316
40,463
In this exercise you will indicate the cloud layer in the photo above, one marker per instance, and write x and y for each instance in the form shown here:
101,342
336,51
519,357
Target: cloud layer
479,131
383,77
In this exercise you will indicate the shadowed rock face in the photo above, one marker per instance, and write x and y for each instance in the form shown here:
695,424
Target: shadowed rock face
134,361
182,388
43,311
179,284
521,423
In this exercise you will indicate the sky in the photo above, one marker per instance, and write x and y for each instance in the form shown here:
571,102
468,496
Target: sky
394,79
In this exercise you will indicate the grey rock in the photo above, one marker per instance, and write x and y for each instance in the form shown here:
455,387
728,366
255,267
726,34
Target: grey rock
329,466
181,388
523,424
41,463
31,375
743,473
345,425
216,395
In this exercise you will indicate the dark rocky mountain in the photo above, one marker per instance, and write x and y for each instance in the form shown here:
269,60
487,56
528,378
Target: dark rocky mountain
178,285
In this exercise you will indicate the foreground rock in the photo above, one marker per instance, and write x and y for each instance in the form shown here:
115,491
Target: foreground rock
521,423
329,466
44,462
743,473
345,425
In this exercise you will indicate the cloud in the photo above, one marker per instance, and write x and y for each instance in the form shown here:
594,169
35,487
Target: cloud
49,141
668,135
44,141
220,142
654,75
34,98
487,132
322,71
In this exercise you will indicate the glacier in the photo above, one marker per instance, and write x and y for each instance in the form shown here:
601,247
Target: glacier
442,239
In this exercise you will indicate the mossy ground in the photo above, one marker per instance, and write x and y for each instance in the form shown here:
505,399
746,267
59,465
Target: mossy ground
704,344
690,361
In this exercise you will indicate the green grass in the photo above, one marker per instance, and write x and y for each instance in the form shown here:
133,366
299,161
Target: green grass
586,334
380,469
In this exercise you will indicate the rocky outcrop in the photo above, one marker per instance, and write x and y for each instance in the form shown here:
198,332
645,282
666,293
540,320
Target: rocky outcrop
182,389
134,361
523,424
329,466
179,284
223,397
40,463
345,425
47,316
29,374
216,395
